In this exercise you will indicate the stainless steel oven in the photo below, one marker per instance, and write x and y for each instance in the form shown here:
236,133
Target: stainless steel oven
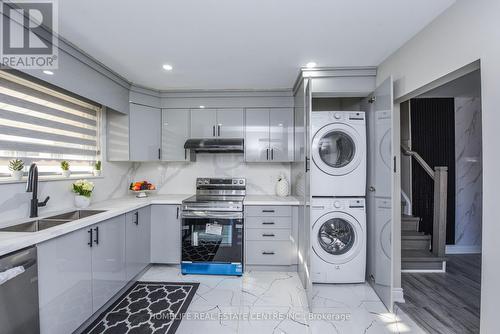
212,228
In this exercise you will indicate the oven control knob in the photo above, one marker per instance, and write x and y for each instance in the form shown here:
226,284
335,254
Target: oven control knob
337,204
241,181
235,181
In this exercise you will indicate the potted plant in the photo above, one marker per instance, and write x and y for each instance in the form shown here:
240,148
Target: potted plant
16,166
65,168
83,190
97,168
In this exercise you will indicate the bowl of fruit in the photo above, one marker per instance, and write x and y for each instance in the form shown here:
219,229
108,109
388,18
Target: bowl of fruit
142,188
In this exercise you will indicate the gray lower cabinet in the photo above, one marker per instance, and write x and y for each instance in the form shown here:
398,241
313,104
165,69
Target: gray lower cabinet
65,282
78,273
145,133
270,235
269,135
165,234
108,260
138,241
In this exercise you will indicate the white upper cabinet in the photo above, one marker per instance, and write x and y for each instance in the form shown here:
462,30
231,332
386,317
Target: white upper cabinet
145,133
269,135
175,132
203,123
217,123
230,123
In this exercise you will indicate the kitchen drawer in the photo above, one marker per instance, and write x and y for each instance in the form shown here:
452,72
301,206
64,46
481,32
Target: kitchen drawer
269,253
268,234
268,222
268,211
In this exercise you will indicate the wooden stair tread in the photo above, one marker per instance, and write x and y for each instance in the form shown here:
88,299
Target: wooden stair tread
414,235
409,218
413,255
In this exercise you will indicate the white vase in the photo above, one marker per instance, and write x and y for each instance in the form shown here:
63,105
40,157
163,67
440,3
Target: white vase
96,172
82,202
66,173
282,187
17,174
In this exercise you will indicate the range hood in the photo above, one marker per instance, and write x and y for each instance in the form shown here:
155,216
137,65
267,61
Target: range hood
215,145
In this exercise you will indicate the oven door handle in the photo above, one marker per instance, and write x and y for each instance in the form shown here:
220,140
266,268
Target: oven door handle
205,214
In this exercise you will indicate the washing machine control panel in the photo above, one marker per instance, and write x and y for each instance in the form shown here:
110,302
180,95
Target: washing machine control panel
338,204
346,116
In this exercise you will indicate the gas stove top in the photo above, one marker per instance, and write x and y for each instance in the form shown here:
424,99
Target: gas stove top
217,194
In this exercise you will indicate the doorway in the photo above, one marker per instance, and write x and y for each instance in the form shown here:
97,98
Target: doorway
441,128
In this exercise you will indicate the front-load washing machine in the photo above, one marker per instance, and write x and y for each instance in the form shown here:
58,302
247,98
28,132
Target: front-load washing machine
338,150
338,240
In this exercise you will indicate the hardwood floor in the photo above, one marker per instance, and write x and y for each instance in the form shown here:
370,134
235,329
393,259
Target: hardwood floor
448,302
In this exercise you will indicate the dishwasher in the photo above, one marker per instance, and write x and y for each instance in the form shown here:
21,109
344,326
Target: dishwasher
19,292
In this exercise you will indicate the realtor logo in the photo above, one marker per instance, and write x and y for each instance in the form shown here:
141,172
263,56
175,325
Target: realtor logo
29,34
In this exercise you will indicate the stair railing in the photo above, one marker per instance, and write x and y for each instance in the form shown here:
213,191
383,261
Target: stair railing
440,177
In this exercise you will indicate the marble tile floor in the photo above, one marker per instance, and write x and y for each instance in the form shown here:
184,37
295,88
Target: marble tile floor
275,303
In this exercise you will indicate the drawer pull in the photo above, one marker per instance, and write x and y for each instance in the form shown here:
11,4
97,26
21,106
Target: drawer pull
268,211
268,235
267,253
267,223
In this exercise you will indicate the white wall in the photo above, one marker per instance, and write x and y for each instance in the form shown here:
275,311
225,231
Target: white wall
468,31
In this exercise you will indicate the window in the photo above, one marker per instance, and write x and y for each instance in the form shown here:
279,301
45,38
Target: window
46,126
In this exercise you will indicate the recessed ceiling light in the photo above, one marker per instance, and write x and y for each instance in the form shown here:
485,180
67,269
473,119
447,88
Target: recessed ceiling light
48,72
311,64
167,67
202,107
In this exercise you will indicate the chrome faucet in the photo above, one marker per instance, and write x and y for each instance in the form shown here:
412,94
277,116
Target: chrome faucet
32,187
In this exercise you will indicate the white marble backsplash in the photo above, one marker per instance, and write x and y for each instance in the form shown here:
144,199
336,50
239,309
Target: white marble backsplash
468,147
180,178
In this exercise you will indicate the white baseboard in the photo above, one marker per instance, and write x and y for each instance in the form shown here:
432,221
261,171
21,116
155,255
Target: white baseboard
397,295
463,249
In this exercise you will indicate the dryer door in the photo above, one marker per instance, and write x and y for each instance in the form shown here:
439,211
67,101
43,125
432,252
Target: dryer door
336,149
337,237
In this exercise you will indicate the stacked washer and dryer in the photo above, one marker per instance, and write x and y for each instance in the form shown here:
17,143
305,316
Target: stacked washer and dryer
338,185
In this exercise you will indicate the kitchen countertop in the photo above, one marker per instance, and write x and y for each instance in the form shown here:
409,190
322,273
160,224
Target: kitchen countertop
13,241
270,200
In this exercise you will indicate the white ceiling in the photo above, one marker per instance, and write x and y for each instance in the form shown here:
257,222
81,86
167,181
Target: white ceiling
237,44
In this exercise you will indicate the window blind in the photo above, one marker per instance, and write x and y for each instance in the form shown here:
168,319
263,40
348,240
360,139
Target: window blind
40,123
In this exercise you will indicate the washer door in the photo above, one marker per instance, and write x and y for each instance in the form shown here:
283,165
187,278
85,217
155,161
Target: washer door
337,237
336,149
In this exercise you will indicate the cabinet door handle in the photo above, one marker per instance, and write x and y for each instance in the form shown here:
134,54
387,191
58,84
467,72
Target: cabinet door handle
177,213
267,154
307,164
267,223
272,154
90,238
218,130
269,211
185,154
267,253
268,235
136,218
96,240
159,154
213,131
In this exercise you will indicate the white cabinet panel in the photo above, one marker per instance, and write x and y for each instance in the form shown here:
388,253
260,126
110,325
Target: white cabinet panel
137,244
145,133
203,123
65,282
257,135
281,134
230,123
108,260
175,131
165,234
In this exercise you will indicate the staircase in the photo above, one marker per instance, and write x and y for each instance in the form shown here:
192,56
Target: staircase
416,247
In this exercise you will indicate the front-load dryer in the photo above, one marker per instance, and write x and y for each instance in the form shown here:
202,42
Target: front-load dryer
338,240
338,150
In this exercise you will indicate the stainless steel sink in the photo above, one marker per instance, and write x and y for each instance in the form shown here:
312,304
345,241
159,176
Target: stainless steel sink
74,215
45,223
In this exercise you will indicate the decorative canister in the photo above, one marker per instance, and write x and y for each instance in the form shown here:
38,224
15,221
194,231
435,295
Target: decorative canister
282,186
